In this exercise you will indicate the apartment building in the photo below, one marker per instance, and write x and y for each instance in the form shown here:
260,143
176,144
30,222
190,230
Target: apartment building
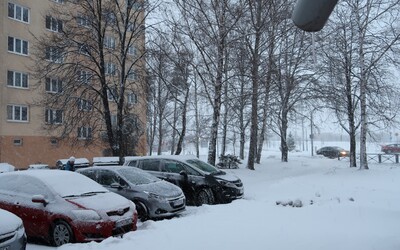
25,137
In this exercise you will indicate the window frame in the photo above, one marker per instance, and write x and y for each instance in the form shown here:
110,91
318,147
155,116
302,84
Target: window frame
21,113
53,24
15,15
18,44
54,116
54,54
24,84
85,133
51,82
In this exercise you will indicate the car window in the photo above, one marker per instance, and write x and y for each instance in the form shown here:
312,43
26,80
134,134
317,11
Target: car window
106,177
203,166
132,163
137,176
173,166
90,173
150,165
25,185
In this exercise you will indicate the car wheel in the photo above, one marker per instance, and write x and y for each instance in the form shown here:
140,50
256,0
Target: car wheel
143,212
61,234
204,196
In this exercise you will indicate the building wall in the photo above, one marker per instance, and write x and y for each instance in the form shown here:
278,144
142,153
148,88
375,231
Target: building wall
26,142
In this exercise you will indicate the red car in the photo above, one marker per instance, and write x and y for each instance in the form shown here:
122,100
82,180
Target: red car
62,206
390,148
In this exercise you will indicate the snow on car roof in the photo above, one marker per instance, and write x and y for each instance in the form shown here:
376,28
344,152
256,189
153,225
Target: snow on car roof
63,182
172,157
6,167
105,160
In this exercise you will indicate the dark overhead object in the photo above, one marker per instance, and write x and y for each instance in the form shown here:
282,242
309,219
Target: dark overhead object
311,15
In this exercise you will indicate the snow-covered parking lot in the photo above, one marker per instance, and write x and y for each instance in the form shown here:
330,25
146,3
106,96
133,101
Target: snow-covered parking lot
342,208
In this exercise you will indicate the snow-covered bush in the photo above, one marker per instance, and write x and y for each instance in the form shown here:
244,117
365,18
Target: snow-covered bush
228,161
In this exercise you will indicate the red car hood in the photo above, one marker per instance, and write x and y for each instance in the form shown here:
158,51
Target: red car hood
101,202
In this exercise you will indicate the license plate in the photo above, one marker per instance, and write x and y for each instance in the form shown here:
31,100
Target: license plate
123,222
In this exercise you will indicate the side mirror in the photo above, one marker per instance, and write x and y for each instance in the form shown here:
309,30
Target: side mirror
184,174
39,199
116,185
311,15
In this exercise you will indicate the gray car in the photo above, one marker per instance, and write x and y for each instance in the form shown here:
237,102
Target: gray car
154,198
12,232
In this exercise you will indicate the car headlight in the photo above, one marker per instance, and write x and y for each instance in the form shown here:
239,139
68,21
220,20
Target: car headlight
226,183
154,196
20,230
85,215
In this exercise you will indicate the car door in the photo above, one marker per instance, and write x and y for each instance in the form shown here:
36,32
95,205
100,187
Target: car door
34,215
107,178
189,183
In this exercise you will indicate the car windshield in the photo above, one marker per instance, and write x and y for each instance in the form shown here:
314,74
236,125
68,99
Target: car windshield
137,177
204,166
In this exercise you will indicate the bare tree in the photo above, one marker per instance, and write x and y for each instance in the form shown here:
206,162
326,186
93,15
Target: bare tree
207,24
357,61
94,64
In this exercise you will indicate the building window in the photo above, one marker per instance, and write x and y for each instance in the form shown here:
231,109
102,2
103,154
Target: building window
53,24
84,105
84,76
17,113
17,79
17,46
109,42
54,116
83,20
132,50
131,75
18,12
54,54
112,94
132,98
110,68
53,85
84,132
114,120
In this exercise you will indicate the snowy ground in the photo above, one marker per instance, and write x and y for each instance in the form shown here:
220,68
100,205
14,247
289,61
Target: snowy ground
342,209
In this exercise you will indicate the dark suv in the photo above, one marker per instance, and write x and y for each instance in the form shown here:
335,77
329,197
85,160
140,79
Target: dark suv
200,182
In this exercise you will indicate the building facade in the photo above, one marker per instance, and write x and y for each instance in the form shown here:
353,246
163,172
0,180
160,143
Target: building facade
25,137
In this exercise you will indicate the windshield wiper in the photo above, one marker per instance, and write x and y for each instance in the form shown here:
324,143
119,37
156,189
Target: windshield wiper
92,193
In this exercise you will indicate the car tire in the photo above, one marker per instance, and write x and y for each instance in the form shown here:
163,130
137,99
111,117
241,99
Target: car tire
205,196
61,233
142,210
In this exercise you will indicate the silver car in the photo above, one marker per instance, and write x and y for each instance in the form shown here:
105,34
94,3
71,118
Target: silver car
12,232
153,197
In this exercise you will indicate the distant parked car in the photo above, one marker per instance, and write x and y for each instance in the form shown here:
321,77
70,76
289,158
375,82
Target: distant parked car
333,152
79,163
38,166
106,161
390,148
62,206
12,231
200,182
6,167
154,198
